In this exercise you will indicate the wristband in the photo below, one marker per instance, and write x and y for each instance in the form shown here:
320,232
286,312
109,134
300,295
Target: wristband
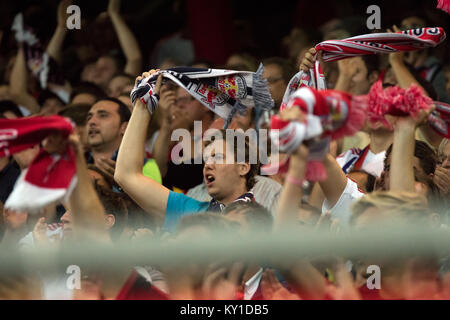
295,181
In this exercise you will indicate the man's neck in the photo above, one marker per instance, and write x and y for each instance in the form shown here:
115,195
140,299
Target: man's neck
380,140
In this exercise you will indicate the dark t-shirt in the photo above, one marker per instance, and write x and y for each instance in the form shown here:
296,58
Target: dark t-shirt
8,177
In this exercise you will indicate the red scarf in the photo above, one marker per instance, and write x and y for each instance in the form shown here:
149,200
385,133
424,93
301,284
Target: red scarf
330,115
372,43
50,177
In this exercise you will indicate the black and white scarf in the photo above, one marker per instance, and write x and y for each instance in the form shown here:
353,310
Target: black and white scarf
224,92
44,68
216,206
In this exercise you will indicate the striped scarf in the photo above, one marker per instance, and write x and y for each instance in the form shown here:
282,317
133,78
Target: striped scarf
224,92
216,206
373,43
50,177
340,114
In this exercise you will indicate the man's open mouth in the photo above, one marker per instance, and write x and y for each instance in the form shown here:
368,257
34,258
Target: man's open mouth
209,179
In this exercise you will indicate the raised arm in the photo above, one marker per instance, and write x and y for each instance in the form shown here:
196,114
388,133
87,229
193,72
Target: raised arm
127,40
84,204
162,144
334,185
148,194
404,77
291,195
56,42
401,172
18,84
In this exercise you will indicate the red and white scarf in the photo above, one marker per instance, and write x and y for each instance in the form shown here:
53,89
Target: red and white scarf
397,101
330,114
373,43
290,135
50,177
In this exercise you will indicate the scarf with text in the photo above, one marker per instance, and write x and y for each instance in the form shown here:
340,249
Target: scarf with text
292,134
372,43
224,92
50,177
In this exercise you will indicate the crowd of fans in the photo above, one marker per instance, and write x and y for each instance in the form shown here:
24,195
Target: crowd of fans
129,188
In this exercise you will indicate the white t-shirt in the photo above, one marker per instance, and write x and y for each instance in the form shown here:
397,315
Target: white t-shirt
342,209
373,163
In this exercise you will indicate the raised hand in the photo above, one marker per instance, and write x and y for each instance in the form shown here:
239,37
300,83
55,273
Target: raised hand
39,232
62,12
396,57
442,180
308,60
350,67
166,102
410,121
107,166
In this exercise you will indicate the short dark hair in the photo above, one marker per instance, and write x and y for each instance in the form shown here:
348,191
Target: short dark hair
427,157
370,183
251,174
114,203
257,217
123,110
8,105
428,161
288,70
88,88
76,112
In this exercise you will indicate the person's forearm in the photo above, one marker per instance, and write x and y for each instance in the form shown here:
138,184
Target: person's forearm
56,43
130,158
316,197
334,185
404,77
291,195
18,84
161,149
128,43
148,194
402,171
84,204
